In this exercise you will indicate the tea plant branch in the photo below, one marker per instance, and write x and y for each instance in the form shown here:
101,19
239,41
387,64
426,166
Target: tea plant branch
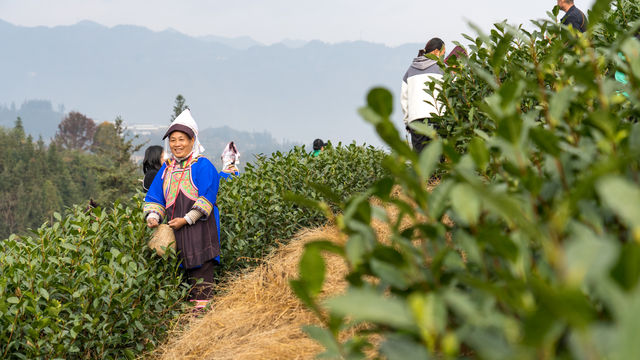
541,84
604,101
620,8
13,328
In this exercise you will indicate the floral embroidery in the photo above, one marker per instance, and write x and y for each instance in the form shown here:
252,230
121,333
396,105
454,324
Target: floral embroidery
178,178
203,205
150,207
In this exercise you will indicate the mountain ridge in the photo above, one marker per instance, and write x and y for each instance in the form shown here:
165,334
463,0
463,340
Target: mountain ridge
297,93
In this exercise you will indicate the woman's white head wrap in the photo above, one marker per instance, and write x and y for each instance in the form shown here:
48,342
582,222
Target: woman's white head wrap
186,124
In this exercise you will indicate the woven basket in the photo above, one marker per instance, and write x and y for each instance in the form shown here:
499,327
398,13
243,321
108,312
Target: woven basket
163,238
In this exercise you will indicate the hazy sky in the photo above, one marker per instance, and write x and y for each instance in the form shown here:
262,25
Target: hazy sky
268,21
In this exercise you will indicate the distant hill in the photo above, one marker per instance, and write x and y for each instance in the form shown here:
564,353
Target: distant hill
238,43
39,118
295,90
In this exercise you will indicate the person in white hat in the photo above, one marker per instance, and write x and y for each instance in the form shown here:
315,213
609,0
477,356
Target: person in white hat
185,195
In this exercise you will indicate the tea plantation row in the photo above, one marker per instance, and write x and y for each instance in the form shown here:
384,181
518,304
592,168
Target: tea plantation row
87,286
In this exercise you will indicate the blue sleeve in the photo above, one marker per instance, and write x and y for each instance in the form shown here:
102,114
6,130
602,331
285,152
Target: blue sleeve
154,201
207,181
217,215
225,176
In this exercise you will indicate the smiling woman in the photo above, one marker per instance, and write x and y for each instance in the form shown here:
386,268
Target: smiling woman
184,192
180,144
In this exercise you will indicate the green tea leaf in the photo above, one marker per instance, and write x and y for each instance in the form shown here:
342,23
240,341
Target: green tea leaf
559,104
326,339
626,271
545,140
44,293
312,270
479,152
623,198
389,274
429,159
367,305
465,203
381,101
400,347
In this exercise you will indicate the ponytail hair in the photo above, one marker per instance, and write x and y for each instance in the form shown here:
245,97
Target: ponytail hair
432,45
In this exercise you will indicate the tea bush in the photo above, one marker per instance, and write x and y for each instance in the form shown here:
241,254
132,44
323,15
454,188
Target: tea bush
254,208
86,286
542,182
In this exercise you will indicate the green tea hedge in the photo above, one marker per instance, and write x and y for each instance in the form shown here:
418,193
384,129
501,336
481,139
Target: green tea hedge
256,212
86,286
542,182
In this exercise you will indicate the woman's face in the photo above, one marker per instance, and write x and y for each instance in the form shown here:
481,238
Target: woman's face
180,144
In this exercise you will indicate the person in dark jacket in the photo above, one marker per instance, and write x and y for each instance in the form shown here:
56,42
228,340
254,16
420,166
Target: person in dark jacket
150,165
573,16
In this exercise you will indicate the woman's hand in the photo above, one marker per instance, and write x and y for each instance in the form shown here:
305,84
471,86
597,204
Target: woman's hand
177,223
152,222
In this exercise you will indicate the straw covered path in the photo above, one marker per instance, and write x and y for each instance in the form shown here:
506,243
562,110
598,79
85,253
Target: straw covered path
257,316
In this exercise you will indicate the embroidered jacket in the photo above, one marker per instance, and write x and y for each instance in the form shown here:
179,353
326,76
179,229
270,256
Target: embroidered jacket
180,189
198,180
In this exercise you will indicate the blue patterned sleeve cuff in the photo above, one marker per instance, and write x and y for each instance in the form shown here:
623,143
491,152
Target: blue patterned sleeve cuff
153,208
203,205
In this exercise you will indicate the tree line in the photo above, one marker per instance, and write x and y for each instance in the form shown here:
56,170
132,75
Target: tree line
84,163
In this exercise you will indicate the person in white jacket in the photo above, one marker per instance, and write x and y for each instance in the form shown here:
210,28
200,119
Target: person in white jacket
417,104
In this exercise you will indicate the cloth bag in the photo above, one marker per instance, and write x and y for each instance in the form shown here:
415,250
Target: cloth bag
162,239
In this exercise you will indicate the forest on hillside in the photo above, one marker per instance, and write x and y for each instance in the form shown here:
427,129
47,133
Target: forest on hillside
84,161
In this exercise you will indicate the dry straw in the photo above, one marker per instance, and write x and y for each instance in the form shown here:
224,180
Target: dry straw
257,316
